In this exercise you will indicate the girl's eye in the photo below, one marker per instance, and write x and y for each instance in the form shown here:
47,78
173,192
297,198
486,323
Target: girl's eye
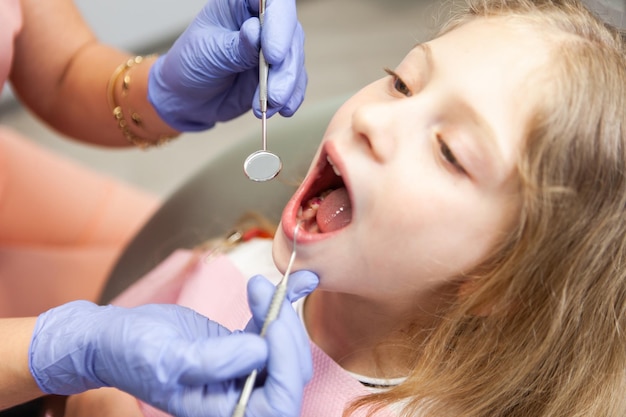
399,85
449,156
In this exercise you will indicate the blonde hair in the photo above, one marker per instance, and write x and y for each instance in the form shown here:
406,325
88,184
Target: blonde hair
554,340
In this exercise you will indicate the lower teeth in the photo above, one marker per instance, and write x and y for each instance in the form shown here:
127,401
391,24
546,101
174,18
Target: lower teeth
308,212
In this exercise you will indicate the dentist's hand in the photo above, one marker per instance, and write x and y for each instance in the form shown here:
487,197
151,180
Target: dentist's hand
211,72
289,365
168,356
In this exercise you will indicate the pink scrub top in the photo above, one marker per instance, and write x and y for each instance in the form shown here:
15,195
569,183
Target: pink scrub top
62,225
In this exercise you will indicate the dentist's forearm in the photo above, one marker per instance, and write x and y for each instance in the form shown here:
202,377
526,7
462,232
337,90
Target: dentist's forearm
61,72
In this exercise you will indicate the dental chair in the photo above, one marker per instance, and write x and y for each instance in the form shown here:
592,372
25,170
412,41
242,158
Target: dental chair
210,202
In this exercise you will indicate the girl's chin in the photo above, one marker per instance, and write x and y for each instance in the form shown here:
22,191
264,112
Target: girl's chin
282,249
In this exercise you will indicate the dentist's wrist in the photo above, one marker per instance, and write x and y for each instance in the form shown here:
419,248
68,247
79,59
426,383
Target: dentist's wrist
127,95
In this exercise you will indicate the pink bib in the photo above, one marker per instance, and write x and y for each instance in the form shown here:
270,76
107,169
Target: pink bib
218,291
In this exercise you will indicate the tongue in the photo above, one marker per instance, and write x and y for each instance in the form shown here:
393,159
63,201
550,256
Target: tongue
335,211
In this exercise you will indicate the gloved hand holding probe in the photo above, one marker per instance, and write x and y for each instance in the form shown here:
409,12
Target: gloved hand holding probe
174,358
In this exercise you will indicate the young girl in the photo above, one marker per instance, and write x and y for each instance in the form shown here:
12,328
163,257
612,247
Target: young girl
465,217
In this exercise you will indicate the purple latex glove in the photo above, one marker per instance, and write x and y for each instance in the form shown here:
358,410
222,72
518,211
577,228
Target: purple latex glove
211,72
289,364
172,357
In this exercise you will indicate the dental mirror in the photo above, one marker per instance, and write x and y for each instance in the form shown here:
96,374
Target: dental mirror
262,165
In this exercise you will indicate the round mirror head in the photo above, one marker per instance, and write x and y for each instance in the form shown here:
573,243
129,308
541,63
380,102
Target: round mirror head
262,166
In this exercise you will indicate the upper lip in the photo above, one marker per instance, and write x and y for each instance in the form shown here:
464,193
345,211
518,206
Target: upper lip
320,178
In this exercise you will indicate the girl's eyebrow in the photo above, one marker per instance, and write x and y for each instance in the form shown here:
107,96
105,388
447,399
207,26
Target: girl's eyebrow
483,135
428,55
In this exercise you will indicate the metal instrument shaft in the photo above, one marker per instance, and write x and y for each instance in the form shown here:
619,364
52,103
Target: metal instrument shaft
277,301
263,75
262,165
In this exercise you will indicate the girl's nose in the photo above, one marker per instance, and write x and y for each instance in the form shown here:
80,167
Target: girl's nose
375,123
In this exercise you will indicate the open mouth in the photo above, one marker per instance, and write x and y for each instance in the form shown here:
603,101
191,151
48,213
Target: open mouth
325,206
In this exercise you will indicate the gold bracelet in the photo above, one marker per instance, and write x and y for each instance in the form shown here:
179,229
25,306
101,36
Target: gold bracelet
118,112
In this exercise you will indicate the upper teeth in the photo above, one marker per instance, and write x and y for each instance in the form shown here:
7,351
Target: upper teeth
333,165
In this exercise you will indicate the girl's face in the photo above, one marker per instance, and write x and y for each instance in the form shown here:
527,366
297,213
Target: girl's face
426,159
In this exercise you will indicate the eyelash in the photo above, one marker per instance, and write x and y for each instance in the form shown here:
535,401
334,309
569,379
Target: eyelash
398,84
447,154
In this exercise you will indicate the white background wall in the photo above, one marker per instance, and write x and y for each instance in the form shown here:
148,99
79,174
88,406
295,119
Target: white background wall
138,23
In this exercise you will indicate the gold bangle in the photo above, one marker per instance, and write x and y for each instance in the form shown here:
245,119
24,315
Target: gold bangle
118,112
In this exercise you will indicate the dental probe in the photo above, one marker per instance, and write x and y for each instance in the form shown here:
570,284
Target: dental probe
272,314
262,165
